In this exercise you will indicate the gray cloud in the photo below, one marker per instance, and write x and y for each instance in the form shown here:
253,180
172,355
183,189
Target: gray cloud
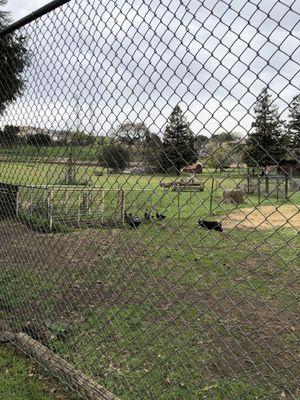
20,8
123,60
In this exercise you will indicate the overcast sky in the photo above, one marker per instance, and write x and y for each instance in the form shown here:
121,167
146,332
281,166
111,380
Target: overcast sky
20,8
98,63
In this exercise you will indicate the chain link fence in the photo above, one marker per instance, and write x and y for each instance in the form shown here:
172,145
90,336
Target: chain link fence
149,196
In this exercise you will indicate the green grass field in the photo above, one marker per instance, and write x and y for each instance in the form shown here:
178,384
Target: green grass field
84,153
20,379
142,192
165,311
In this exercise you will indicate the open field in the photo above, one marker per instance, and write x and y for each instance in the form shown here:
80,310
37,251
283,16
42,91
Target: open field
85,153
161,309
169,310
142,192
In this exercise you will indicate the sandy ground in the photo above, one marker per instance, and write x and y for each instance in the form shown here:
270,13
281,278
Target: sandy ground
267,217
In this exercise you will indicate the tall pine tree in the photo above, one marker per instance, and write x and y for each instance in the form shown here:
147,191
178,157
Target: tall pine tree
293,125
14,57
265,146
178,149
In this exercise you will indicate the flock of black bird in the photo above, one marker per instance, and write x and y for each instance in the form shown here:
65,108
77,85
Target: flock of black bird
135,222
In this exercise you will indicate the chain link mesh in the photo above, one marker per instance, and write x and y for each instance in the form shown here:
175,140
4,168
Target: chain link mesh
149,195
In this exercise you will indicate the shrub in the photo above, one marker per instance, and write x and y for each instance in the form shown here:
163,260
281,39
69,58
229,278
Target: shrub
113,156
40,223
39,139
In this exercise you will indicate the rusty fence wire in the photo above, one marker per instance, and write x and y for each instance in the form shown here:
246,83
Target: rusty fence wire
149,196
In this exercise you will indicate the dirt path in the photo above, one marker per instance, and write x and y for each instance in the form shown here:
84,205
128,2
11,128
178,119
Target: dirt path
264,217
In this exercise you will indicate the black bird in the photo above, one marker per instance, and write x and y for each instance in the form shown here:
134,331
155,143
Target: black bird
147,216
127,217
160,216
210,225
132,221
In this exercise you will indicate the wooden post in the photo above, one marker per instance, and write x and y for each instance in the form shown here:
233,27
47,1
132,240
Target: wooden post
78,211
89,202
258,188
277,187
66,201
17,203
248,181
286,185
78,217
122,204
178,204
50,208
211,194
102,205
30,207
267,179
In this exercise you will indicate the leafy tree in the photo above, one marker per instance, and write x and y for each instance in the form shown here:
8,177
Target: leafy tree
39,139
152,147
293,125
81,139
115,157
9,135
200,141
130,133
226,137
14,57
266,145
178,149
220,156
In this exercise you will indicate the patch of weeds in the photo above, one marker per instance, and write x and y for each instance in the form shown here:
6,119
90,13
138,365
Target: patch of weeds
60,330
40,223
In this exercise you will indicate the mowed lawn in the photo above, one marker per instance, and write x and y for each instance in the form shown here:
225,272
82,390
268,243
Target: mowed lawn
166,311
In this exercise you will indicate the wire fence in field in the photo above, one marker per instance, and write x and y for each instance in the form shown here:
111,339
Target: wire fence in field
149,196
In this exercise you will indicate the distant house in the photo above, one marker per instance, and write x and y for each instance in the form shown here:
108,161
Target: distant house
25,131
59,136
55,135
237,165
196,168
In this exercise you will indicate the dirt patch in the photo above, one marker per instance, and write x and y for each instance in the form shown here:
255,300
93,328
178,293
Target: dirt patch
264,217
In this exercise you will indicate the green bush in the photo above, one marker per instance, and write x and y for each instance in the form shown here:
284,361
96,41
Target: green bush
113,156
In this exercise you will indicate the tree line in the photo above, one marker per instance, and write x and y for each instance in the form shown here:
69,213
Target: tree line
270,140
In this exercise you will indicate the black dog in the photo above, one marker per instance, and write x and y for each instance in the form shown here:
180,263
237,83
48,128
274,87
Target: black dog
210,225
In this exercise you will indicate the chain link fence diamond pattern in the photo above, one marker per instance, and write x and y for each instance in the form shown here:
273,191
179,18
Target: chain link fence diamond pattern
149,196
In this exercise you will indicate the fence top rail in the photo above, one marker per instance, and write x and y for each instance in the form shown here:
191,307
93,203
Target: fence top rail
32,16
